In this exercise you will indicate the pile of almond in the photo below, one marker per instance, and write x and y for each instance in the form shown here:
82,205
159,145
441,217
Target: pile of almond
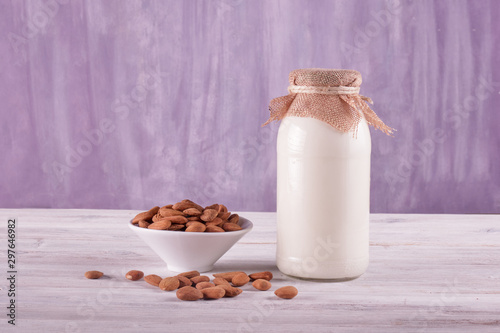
190,217
192,286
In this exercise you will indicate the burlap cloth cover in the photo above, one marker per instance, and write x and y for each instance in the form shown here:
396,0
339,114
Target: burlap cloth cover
329,95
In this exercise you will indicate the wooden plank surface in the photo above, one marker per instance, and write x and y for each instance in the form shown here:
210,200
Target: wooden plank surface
437,273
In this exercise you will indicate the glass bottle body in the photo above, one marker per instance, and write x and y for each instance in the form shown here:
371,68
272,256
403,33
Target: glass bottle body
323,199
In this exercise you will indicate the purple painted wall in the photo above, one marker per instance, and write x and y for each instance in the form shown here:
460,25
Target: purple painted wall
129,104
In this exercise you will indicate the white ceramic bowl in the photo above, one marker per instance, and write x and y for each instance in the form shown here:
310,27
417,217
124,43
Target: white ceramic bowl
189,251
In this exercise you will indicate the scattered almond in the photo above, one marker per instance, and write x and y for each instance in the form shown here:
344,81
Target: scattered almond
287,292
203,285
213,292
184,281
240,279
261,284
93,274
262,275
203,288
201,278
153,279
230,290
228,276
190,274
218,281
169,283
189,294
134,275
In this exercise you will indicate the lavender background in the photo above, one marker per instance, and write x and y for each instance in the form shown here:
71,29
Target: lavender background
129,104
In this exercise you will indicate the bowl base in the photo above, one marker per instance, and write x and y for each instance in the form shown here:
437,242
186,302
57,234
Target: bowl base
178,269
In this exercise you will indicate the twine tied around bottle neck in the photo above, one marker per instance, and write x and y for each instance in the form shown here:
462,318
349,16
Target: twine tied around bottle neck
331,96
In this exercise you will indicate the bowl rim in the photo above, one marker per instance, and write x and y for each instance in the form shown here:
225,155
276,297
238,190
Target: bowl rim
244,230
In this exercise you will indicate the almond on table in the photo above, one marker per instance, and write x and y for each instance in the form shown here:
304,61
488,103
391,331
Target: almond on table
184,281
134,275
93,274
228,276
189,294
230,290
262,275
153,279
240,279
218,281
287,292
192,286
169,283
213,292
201,278
190,274
203,285
261,284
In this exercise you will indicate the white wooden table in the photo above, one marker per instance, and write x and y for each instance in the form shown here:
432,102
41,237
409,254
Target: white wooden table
436,273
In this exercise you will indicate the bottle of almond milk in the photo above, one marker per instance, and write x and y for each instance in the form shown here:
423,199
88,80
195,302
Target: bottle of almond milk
323,195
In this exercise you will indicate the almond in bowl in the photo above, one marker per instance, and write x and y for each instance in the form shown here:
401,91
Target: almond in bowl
188,236
189,217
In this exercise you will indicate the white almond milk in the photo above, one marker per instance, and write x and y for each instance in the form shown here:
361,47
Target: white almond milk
323,199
